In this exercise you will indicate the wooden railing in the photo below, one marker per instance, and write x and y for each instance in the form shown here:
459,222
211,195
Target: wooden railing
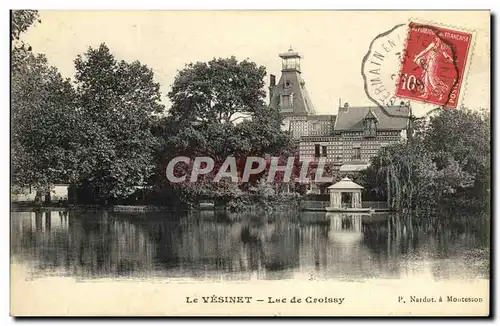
313,204
375,204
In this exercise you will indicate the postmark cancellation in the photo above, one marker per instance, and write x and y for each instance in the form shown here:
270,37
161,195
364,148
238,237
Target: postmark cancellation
421,62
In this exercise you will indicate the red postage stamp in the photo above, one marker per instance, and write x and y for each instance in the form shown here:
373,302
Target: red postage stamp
434,64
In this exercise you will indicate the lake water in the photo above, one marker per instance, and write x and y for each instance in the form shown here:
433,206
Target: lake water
217,247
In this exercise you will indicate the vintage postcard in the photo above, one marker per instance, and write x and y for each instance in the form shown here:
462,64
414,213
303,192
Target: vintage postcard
250,163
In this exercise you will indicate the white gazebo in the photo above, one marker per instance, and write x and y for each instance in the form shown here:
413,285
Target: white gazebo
345,194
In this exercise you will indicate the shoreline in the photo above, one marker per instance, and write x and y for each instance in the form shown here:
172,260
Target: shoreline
115,208
118,208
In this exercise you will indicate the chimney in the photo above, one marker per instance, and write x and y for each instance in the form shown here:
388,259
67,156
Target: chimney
272,86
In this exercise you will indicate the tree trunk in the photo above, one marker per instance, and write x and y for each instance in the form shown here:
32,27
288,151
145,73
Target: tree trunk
47,197
38,197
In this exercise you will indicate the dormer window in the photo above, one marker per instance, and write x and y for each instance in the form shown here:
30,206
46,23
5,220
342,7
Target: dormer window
370,128
370,124
286,101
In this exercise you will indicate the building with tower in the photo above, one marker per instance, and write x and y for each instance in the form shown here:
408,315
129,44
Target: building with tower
348,139
290,95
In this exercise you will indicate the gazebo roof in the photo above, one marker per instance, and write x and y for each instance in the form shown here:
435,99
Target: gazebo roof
345,184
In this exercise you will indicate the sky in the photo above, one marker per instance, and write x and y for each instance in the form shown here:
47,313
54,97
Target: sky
332,43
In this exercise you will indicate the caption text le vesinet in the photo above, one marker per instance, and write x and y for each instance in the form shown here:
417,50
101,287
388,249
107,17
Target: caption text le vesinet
243,299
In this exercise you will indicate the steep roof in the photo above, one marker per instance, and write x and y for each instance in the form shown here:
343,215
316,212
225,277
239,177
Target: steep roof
307,98
371,115
351,118
302,103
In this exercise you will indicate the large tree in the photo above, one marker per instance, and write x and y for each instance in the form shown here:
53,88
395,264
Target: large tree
45,126
120,101
45,123
461,139
219,110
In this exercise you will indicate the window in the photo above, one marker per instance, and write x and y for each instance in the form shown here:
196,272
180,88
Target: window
370,128
286,101
316,150
357,153
323,151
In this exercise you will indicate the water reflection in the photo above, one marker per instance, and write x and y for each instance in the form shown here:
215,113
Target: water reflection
206,245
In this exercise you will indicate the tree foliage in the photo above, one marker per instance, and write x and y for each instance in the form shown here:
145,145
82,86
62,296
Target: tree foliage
20,22
218,110
97,135
448,156
461,139
120,101
45,139
218,91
